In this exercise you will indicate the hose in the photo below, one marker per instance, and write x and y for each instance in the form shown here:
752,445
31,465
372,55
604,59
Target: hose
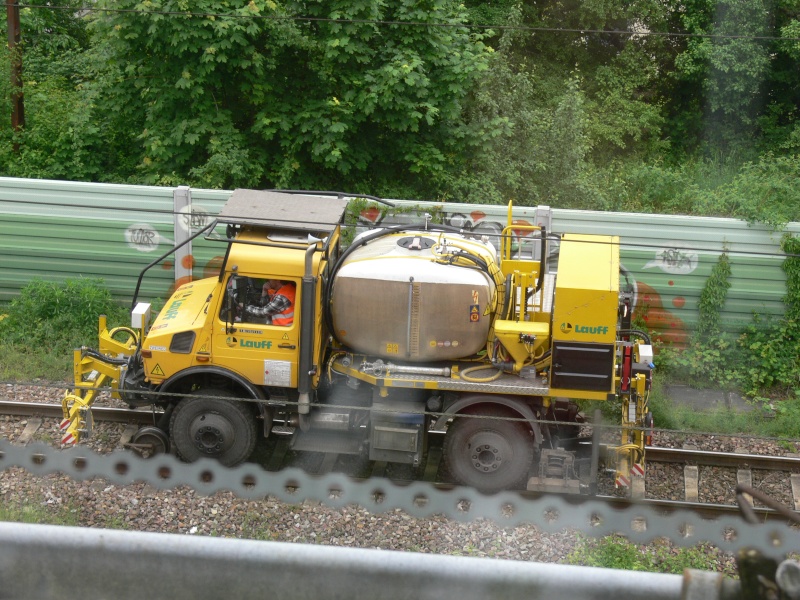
637,452
496,375
106,359
644,334
131,332
506,299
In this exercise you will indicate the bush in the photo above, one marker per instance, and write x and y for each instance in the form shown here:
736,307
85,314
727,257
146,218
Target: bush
57,317
712,354
764,191
773,355
772,348
651,188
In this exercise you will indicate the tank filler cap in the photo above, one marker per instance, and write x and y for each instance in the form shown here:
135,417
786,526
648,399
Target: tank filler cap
415,242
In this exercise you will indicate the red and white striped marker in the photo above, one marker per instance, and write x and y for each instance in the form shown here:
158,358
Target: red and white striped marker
64,424
68,440
637,470
623,481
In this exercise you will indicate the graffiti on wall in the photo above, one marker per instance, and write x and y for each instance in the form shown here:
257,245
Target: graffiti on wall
675,261
193,218
144,237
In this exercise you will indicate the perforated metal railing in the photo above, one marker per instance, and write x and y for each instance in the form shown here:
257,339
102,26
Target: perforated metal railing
50,562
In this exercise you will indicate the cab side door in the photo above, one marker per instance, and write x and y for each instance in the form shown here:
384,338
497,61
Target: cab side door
265,354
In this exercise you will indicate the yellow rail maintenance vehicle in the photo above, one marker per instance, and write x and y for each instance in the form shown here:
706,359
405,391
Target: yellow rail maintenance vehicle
409,330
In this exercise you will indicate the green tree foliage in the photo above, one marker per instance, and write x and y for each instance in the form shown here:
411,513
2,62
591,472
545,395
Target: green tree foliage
244,94
694,123
533,144
55,42
63,137
617,73
727,87
575,106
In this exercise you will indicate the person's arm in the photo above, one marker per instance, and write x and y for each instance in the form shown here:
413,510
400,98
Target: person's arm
277,304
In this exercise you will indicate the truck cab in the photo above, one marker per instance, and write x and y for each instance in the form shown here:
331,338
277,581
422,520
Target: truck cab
217,363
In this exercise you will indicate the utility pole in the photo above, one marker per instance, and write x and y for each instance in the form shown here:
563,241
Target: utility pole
17,105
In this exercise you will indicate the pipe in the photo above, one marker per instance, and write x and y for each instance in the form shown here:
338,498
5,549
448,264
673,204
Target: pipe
306,359
542,260
380,369
163,256
595,464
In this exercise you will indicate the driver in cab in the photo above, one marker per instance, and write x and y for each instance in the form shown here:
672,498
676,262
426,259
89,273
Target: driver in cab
277,303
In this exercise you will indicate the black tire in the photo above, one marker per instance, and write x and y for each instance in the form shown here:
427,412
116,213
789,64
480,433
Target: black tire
489,454
213,427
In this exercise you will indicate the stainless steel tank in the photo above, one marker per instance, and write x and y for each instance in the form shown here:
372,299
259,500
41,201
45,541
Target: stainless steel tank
391,298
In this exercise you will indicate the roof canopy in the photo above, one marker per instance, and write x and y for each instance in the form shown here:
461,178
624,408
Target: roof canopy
280,210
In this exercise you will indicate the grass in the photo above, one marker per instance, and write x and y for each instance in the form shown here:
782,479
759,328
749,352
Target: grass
20,363
615,552
47,321
782,422
255,526
35,510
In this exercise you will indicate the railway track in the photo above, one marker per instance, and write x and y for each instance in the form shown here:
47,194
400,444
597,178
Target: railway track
276,453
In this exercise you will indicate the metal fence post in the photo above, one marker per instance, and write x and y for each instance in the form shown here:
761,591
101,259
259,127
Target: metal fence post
182,215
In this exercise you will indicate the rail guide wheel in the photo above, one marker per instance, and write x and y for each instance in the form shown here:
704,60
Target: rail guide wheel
149,441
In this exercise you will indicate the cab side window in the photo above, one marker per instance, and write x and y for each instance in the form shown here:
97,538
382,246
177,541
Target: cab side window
262,301
277,302
242,292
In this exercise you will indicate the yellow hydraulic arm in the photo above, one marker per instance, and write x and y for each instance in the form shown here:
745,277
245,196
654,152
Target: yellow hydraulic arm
630,453
94,370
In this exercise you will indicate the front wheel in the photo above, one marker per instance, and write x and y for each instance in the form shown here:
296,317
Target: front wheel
213,424
489,454
149,441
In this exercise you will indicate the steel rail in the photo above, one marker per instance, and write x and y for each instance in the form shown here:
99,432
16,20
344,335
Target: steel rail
54,411
705,510
721,459
710,511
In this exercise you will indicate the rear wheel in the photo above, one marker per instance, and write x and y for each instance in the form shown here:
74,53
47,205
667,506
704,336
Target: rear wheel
490,454
213,424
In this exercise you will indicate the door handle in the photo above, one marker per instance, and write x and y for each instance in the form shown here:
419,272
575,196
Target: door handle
287,346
